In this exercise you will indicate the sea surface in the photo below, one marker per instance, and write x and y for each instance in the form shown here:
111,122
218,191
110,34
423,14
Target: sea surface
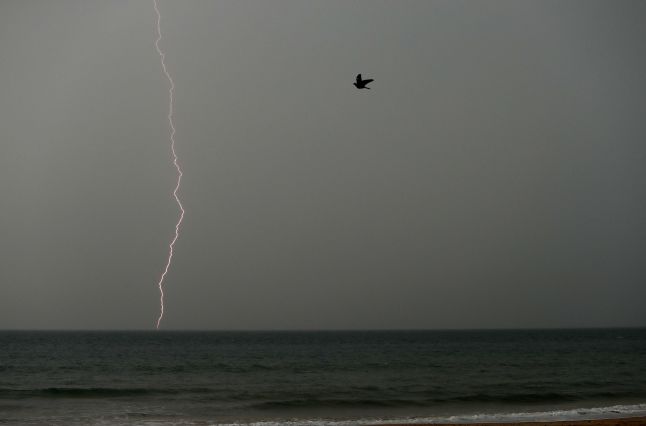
319,378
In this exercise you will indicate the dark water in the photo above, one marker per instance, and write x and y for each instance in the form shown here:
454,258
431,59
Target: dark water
321,377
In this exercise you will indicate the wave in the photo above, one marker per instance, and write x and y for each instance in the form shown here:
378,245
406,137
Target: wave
210,368
538,397
508,398
576,414
335,402
94,392
615,411
364,396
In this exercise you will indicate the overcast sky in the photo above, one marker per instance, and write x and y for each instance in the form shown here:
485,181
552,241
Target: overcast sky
494,176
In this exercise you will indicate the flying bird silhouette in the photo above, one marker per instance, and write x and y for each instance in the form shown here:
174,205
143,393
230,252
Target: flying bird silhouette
361,84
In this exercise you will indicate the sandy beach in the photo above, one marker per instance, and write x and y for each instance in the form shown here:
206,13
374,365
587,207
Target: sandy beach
632,421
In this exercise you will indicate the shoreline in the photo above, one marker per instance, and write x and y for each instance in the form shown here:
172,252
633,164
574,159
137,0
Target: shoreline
623,421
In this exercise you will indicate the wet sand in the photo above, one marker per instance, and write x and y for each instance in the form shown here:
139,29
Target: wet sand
632,421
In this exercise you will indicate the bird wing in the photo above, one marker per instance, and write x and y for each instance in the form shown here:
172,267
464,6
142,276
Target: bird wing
359,78
368,80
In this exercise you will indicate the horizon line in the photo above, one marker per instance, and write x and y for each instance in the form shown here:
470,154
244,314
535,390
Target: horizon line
315,330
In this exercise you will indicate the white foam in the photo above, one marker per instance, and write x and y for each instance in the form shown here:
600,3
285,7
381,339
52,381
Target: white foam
615,411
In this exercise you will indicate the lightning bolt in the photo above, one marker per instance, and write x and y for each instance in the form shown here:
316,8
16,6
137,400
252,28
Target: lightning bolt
160,283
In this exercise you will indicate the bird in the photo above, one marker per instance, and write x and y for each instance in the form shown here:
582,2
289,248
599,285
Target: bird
361,84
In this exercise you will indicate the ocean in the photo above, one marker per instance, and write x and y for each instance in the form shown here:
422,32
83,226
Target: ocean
319,378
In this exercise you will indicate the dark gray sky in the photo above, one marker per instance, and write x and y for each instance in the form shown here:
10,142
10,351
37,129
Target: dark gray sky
493,176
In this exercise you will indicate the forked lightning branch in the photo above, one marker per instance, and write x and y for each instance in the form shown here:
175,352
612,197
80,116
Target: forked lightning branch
171,89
